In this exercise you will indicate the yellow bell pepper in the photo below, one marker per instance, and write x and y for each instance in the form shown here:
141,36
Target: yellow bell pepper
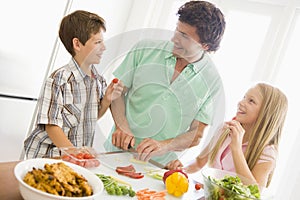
177,184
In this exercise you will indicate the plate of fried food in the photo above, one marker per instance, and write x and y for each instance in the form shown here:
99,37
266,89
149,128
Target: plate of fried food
50,179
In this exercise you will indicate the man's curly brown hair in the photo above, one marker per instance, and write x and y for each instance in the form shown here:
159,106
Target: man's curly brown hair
208,20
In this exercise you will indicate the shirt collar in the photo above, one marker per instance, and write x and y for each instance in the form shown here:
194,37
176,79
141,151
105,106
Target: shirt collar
78,68
196,66
78,73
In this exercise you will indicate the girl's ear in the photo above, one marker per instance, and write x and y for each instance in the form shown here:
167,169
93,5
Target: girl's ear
76,44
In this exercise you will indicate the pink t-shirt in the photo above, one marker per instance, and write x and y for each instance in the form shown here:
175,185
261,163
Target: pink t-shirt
224,158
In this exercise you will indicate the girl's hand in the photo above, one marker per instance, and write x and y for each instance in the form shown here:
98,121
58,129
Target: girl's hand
236,134
197,164
174,164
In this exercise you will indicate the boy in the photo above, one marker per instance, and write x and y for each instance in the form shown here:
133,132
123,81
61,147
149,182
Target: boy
74,96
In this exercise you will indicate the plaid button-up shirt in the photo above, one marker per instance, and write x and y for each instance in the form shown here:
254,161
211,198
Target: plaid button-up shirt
70,100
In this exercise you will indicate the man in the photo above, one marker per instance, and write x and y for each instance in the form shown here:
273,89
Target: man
171,88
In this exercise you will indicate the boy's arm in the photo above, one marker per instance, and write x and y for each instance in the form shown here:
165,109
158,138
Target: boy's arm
57,136
104,105
113,92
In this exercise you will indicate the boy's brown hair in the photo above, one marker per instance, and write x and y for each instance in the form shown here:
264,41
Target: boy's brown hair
79,24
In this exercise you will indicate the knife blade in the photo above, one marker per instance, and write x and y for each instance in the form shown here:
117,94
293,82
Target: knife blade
132,151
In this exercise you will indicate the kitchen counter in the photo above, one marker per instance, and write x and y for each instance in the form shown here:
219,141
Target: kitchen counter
9,189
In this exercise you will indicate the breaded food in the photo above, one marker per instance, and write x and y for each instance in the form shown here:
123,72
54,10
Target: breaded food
58,179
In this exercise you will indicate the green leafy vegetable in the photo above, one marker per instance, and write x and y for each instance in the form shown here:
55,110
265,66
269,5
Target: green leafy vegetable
235,189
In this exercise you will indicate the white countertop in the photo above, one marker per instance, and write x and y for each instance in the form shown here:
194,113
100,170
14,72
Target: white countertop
111,161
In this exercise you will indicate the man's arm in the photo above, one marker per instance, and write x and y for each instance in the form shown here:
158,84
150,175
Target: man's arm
149,147
122,137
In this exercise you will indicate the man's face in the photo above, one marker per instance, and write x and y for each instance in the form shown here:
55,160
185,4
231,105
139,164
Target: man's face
187,42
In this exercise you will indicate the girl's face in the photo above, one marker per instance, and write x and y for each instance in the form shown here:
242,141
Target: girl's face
249,107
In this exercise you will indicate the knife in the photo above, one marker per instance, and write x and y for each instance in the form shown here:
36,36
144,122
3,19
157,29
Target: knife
132,151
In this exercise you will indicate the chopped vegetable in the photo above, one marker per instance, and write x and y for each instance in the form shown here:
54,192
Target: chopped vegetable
177,182
133,160
155,173
146,194
168,173
129,171
114,186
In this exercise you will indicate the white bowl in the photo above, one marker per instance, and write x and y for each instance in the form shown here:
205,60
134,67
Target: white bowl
30,193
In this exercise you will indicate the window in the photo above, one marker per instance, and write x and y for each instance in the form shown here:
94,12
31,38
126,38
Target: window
288,80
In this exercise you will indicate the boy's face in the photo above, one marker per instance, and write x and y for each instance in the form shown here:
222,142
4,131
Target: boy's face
187,42
93,49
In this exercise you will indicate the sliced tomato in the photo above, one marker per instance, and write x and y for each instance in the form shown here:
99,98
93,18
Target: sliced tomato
88,156
80,156
66,157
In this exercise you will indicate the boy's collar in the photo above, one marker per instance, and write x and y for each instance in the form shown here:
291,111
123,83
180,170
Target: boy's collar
82,74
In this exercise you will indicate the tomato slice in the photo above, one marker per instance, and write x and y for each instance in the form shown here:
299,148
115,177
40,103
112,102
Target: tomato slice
80,156
88,156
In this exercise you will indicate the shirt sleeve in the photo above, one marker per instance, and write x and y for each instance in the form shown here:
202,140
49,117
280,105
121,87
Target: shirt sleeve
269,154
50,104
126,70
212,110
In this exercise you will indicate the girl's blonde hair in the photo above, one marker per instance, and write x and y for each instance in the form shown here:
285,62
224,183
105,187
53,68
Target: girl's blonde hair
267,128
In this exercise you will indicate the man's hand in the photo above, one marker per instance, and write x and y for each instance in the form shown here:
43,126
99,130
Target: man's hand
149,147
122,140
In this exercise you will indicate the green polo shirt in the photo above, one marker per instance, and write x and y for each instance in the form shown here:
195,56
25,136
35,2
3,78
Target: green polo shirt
155,106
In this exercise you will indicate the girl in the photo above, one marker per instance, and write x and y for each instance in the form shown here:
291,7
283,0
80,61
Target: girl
248,144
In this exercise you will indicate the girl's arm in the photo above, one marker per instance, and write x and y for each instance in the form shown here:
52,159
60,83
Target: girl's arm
260,173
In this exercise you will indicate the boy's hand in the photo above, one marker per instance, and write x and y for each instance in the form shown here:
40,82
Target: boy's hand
114,90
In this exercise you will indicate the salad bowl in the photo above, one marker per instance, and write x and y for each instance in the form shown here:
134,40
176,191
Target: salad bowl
225,185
